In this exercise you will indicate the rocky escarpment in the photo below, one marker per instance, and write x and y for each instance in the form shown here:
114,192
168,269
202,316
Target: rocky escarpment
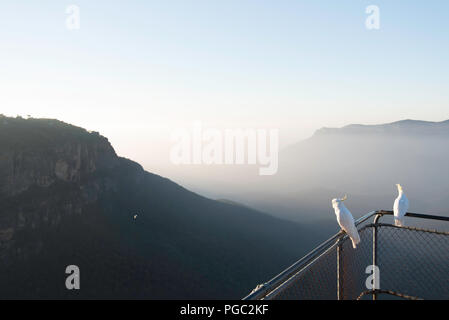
49,171
39,152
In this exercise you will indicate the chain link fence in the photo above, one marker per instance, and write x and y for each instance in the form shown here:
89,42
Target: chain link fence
413,264
414,261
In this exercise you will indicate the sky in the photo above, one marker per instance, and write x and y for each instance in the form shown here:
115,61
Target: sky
137,70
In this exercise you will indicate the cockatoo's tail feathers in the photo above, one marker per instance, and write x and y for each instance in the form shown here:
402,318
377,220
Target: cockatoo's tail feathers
398,223
355,241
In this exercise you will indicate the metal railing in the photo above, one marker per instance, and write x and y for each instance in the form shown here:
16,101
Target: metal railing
413,263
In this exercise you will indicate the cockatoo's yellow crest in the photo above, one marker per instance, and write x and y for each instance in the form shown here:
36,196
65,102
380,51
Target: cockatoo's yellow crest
344,198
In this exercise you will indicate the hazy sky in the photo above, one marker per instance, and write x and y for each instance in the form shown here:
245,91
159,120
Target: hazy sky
136,70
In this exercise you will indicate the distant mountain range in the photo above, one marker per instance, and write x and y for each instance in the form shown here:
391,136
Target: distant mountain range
364,161
66,198
403,127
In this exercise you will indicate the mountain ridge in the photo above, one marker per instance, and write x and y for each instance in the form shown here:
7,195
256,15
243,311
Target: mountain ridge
366,161
397,127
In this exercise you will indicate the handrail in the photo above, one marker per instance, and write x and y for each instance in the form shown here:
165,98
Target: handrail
264,289
416,215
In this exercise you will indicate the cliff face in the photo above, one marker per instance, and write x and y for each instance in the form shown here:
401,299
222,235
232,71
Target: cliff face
33,153
48,171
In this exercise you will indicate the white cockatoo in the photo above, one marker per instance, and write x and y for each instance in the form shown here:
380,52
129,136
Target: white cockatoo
346,220
400,207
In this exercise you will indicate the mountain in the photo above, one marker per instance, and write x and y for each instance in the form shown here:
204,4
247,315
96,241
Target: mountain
415,128
365,162
66,198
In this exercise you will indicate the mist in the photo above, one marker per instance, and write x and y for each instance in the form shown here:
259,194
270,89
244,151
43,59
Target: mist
364,162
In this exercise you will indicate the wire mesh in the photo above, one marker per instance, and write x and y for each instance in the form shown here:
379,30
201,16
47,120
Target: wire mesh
317,281
413,263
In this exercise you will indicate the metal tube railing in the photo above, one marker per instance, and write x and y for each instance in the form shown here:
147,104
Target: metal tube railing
265,289
376,220
415,215
339,270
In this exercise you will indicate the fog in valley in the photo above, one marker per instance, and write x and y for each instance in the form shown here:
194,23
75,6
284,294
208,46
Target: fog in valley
364,162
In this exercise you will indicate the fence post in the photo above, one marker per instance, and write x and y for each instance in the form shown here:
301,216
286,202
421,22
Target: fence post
340,268
376,220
